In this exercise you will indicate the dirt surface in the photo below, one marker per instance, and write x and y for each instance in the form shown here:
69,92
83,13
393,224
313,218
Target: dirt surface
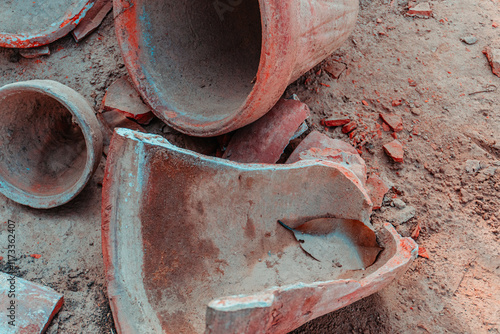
450,174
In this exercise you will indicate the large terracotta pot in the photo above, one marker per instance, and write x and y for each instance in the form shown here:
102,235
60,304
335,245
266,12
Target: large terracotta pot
210,67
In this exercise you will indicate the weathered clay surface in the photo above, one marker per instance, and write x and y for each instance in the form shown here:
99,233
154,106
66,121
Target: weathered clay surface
321,141
181,229
265,140
349,160
51,143
207,70
28,24
33,309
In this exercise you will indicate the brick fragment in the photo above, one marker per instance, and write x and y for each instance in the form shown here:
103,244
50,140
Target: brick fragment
377,190
493,56
335,121
394,150
351,126
394,121
335,69
420,10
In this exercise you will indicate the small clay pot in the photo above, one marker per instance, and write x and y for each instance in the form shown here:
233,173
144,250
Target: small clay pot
51,143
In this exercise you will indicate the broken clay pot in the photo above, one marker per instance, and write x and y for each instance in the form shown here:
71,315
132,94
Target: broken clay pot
51,143
210,67
33,309
192,243
29,24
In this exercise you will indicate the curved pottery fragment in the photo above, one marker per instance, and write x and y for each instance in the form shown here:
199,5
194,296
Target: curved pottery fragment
191,243
28,23
210,67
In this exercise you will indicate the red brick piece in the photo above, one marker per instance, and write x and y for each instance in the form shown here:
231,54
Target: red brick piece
493,56
265,140
335,121
122,96
335,69
394,150
34,309
377,190
349,127
92,19
422,9
394,121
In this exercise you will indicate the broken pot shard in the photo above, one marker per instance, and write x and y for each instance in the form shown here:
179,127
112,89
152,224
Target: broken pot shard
28,24
35,306
346,243
181,230
283,309
265,140
208,67
93,19
121,96
51,143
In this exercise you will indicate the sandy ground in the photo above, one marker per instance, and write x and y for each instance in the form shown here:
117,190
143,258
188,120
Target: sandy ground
457,290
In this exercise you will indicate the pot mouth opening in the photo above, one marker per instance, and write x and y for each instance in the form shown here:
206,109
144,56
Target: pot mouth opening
201,58
44,151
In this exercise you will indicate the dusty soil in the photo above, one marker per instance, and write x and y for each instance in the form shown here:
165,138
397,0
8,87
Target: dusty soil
457,200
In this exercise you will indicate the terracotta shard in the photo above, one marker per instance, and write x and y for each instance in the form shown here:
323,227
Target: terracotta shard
318,140
121,96
29,24
420,10
493,55
93,19
181,231
394,121
35,52
33,308
377,190
335,69
335,121
395,150
265,140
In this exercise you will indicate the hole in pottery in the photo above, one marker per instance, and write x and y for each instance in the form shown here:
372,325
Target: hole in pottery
43,152
202,56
